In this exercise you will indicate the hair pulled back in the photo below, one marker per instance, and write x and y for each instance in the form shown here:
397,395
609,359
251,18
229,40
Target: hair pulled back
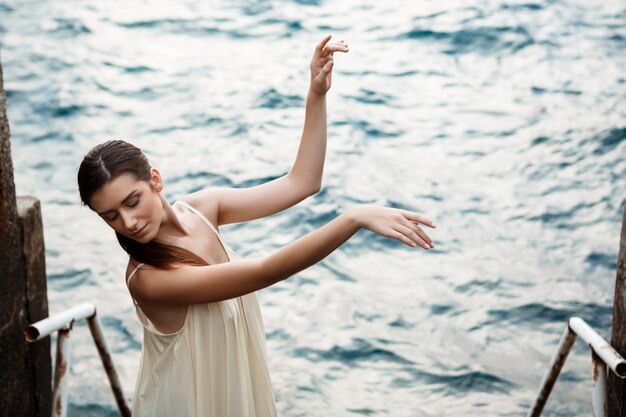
102,164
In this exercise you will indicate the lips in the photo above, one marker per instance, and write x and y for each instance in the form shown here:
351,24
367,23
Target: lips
140,231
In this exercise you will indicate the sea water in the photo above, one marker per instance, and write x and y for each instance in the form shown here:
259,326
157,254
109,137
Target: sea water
503,121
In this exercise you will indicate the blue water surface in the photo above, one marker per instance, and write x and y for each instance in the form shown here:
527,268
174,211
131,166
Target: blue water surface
504,121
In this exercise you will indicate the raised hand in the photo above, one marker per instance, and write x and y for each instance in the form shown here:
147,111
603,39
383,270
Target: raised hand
399,224
322,64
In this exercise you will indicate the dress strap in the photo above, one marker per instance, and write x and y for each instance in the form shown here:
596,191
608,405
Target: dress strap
204,219
195,210
132,273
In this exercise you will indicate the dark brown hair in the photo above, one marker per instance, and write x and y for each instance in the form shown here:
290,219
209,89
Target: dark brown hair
105,162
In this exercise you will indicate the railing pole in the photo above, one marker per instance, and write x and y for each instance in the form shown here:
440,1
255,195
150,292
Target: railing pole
107,362
556,364
61,369
598,383
62,323
600,346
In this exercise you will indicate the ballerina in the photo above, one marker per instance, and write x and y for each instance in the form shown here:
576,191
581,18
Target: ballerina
203,351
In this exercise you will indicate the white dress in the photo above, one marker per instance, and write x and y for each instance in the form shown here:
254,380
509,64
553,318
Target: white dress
214,366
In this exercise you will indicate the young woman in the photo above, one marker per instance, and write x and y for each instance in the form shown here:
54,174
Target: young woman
203,351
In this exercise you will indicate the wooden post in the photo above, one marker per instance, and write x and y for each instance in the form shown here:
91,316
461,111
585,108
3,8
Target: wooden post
617,386
25,375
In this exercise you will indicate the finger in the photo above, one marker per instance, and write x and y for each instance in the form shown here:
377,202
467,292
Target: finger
329,49
320,46
325,71
415,227
412,235
419,218
321,61
424,236
399,236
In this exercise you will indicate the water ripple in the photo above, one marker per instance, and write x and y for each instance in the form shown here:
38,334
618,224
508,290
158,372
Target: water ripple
533,314
361,350
503,121
272,99
456,384
510,39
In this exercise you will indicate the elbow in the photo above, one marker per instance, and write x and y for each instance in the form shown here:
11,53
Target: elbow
305,187
314,190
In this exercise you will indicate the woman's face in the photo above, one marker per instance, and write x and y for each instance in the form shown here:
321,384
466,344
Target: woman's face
130,206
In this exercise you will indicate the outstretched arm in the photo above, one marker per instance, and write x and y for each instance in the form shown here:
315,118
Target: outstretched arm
203,284
308,168
305,177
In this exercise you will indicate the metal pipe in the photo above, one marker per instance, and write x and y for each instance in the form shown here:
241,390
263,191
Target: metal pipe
598,382
556,364
59,321
61,369
63,322
107,362
600,346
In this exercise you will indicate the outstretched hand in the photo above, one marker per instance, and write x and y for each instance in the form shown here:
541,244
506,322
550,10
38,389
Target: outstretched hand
322,64
395,223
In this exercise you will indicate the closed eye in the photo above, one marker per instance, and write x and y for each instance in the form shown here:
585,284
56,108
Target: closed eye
109,218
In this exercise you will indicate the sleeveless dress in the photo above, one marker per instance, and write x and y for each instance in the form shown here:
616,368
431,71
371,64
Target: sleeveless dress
214,366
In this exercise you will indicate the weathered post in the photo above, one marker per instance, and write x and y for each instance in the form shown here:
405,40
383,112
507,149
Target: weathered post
26,368
617,386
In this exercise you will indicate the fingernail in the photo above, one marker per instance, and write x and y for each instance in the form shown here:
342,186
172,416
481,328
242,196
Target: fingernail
434,224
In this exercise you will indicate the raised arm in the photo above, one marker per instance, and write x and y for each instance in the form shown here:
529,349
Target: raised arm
309,164
203,284
305,176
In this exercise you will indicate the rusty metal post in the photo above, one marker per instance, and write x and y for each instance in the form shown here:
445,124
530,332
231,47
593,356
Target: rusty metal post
107,362
617,386
598,383
603,357
63,323
556,364
61,370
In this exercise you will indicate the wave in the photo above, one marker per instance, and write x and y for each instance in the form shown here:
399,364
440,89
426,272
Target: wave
533,314
361,350
485,39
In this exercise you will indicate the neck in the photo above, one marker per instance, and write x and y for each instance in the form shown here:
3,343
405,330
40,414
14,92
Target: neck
171,229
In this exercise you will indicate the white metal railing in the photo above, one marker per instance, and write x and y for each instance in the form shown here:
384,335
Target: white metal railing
602,355
63,323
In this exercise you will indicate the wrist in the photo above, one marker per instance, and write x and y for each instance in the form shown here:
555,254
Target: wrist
352,216
315,96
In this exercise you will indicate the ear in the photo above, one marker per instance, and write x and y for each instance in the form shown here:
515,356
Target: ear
155,180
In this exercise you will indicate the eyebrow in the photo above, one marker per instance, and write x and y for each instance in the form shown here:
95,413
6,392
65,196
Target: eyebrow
132,193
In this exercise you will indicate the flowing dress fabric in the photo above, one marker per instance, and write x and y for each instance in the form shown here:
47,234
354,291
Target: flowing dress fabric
214,366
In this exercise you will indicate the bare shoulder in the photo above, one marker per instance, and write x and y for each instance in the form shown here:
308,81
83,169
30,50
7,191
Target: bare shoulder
137,283
206,202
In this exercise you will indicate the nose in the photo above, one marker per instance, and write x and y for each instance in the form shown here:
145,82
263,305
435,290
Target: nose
130,222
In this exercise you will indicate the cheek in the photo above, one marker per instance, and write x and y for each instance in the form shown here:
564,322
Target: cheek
151,209
115,226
